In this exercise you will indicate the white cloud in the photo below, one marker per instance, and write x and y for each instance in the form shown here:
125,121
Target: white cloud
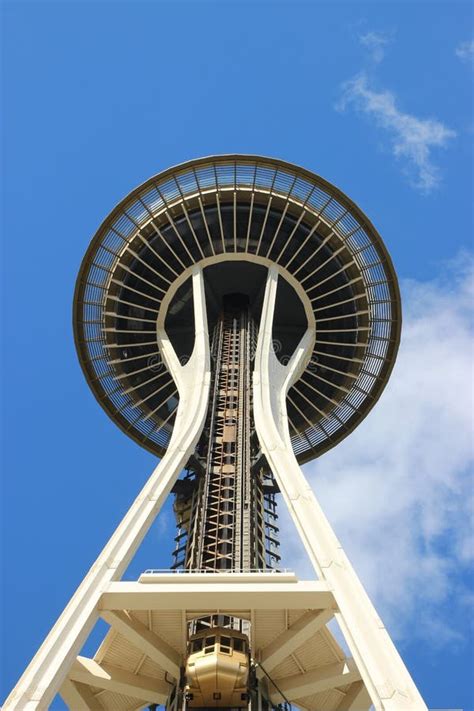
465,51
412,138
399,490
376,43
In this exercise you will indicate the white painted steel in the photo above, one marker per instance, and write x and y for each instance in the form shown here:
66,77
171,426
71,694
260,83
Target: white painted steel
148,642
382,669
329,676
288,641
48,669
79,697
356,699
237,257
227,597
112,678
175,578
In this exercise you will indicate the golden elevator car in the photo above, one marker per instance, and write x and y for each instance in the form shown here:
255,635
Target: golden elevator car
217,669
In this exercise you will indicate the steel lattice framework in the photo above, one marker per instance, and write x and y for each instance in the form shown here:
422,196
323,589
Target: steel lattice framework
226,510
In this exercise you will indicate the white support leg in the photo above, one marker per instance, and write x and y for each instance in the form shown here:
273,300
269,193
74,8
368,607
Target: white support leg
382,669
48,669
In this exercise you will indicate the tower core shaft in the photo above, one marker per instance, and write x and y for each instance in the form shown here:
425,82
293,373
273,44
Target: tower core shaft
226,511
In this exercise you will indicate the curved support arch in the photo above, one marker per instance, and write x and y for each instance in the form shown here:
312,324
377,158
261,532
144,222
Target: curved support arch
237,257
386,678
48,669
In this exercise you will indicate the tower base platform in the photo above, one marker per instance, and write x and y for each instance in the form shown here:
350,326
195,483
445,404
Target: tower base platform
294,656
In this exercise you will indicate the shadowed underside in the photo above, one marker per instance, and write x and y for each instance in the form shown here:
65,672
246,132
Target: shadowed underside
257,211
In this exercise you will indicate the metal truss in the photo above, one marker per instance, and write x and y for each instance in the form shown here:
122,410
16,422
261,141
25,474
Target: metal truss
226,516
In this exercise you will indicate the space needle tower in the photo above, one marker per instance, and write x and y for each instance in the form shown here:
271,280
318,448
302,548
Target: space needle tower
237,316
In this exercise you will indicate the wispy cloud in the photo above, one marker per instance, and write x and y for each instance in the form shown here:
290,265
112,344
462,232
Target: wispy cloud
465,51
398,491
412,139
376,43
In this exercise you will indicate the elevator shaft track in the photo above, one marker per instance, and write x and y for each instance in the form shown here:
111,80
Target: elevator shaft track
226,514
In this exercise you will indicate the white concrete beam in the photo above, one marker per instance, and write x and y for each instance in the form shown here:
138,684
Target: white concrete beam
217,596
110,678
145,640
330,676
356,699
79,697
292,638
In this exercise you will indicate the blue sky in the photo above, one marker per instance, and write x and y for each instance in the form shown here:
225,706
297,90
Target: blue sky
375,97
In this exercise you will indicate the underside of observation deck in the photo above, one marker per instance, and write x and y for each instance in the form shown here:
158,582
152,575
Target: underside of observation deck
256,211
